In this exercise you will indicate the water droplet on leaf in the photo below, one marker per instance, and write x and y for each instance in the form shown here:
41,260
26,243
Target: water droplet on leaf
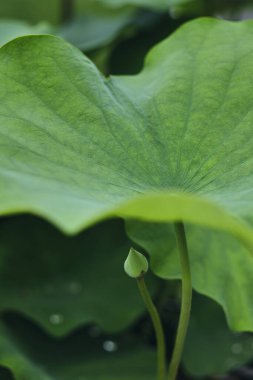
56,319
110,346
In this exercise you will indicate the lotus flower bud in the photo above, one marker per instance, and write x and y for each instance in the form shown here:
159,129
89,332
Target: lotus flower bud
136,264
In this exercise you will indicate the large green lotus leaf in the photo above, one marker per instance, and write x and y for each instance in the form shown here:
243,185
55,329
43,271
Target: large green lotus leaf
172,143
221,268
31,355
216,348
63,282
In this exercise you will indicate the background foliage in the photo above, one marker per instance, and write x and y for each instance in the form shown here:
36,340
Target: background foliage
67,309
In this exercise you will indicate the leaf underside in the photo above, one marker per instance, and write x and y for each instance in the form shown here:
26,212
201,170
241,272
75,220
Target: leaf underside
217,348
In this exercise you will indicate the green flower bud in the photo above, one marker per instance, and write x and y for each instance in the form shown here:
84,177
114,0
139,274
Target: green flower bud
136,264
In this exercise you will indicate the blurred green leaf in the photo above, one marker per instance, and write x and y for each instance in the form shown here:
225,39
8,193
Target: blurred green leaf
63,282
10,29
31,355
92,30
211,348
93,26
35,11
221,268
205,8
31,10
187,7
150,4
86,33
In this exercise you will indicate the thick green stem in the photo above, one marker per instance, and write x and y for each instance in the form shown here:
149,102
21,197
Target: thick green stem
185,302
67,10
160,340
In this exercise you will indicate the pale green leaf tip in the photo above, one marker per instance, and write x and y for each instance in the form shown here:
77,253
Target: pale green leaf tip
136,264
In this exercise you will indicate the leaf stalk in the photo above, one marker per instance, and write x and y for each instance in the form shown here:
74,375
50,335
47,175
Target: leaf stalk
160,340
185,301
